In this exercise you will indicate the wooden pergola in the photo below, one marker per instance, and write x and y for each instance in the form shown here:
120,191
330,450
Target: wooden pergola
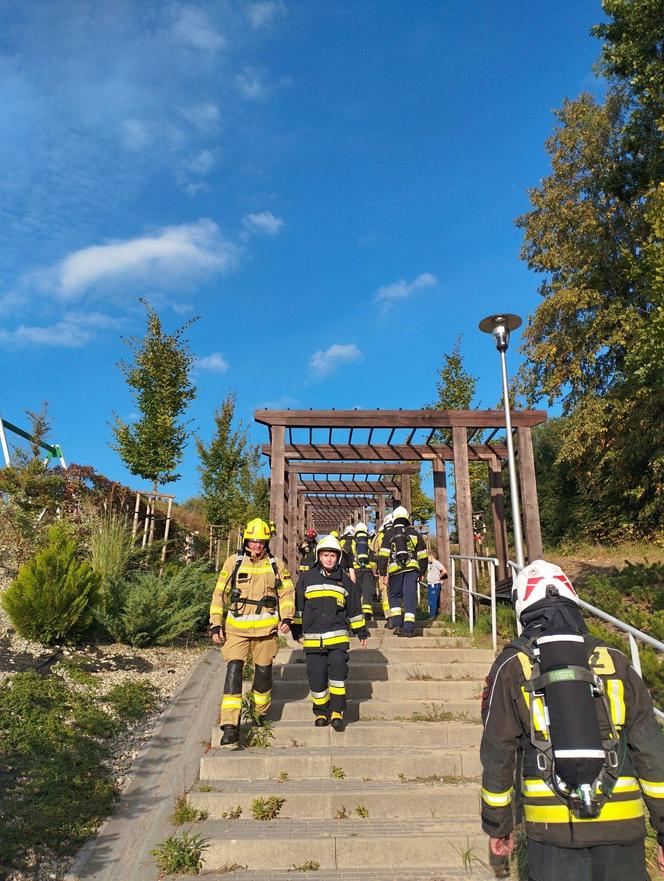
379,448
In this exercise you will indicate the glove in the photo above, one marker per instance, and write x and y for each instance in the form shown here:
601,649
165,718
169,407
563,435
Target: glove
286,621
218,629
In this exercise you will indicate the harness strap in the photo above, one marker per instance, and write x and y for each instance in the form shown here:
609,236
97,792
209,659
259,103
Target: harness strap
564,674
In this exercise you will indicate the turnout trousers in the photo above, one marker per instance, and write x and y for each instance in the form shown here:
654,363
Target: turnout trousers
327,671
366,582
236,651
402,592
604,862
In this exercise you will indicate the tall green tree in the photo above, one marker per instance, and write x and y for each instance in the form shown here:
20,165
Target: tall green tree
160,382
456,391
422,505
233,489
595,341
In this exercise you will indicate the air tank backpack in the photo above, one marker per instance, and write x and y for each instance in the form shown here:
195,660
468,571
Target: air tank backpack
362,549
562,693
402,549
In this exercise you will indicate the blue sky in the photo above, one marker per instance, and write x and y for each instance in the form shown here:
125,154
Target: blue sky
331,186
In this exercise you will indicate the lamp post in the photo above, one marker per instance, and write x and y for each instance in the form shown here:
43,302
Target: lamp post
499,326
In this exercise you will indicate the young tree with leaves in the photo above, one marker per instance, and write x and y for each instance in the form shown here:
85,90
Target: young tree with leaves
232,487
160,383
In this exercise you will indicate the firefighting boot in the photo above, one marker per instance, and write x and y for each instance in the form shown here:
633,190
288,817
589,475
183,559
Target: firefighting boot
338,721
230,736
322,721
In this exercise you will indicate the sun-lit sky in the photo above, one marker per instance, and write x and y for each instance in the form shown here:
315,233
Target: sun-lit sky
331,186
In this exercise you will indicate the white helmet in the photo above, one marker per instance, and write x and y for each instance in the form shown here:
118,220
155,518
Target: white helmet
538,581
400,513
360,527
388,520
328,543
349,530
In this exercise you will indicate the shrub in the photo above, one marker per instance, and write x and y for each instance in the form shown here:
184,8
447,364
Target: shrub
267,808
110,546
52,596
144,609
180,855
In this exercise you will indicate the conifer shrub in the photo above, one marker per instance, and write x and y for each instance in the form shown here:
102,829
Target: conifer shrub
51,599
143,609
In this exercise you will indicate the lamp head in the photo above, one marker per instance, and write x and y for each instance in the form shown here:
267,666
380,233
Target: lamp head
499,326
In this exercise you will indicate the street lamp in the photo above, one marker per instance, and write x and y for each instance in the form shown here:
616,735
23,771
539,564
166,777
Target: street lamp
499,326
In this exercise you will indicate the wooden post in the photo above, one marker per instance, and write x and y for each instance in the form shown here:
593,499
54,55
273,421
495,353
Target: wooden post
137,508
528,483
292,521
498,514
405,492
442,512
167,529
277,488
463,500
381,511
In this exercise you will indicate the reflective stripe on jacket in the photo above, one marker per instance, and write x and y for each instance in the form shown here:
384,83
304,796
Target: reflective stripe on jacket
255,580
506,718
327,605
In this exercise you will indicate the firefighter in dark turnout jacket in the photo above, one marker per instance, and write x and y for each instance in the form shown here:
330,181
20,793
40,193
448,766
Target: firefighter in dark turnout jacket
591,748
364,564
326,603
402,558
307,551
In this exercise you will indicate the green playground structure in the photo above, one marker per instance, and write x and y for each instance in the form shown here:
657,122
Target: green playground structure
53,451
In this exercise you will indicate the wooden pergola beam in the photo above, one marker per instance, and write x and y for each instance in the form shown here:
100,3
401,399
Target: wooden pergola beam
385,452
398,418
343,487
380,468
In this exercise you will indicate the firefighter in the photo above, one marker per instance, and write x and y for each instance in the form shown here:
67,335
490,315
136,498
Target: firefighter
402,561
253,601
382,584
327,602
576,711
364,564
307,551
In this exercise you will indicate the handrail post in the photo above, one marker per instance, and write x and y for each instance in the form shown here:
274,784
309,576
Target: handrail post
453,588
494,623
471,595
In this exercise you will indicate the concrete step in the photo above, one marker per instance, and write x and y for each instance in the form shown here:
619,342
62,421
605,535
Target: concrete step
339,844
318,799
425,873
318,762
414,690
381,735
434,711
376,672
400,651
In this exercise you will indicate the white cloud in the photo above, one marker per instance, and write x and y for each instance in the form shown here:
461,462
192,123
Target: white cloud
202,163
136,135
265,12
262,222
215,362
401,290
171,256
76,329
324,362
193,28
202,116
250,84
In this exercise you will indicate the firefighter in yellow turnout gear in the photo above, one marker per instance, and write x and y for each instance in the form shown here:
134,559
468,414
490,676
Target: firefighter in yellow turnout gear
591,749
382,583
252,602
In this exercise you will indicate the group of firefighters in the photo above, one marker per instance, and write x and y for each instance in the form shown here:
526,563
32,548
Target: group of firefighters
567,721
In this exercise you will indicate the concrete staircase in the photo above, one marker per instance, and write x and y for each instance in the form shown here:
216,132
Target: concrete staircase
395,796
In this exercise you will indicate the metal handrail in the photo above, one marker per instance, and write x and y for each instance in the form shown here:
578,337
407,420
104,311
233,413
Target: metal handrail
470,575
633,633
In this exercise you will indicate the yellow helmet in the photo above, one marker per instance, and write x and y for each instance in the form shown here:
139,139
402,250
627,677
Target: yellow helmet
257,530
334,533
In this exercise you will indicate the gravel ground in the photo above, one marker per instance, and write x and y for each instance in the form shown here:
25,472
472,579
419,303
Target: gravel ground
164,668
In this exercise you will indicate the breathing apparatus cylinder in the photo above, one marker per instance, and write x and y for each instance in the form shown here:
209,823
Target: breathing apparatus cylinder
362,548
400,547
576,739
